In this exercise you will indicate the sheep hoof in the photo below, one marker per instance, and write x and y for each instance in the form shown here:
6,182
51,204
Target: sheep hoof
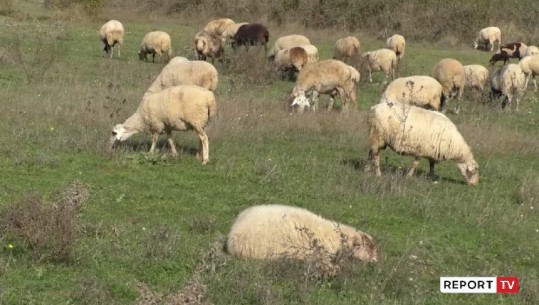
204,162
175,155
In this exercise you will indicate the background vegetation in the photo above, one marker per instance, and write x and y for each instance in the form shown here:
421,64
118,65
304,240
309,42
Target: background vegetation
81,226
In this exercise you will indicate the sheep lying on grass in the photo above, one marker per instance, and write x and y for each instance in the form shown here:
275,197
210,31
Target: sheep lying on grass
509,81
185,72
286,42
346,49
476,76
326,77
278,231
451,75
397,44
419,90
208,45
384,60
488,36
156,42
176,108
420,133
112,33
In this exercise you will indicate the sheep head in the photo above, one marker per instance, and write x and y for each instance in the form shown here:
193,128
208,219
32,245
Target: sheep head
470,171
363,248
301,101
120,133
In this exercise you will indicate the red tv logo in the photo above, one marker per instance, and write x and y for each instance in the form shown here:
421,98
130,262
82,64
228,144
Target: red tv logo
475,284
507,284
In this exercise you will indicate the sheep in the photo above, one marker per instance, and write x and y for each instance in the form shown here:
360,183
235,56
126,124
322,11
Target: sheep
286,42
476,76
488,36
156,42
276,231
531,50
208,45
183,107
451,75
112,33
325,77
177,59
514,49
199,73
231,30
397,44
418,132
312,52
251,34
291,60
218,27
530,66
346,49
419,90
381,60
509,81
499,56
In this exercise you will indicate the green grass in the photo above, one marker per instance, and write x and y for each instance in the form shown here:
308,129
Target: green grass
153,219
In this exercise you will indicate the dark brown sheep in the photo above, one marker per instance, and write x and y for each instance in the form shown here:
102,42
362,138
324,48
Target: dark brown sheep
250,35
502,55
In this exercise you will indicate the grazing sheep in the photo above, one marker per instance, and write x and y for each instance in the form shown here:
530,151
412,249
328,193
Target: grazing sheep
531,50
312,52
286,42
156,42
177,59
397,44
218,27
251,34
325,77
208,45
278,231
530,67
514,49
488,36
231,30
476,76
290,60
419,90
451,75
509,82
176,108
384,60
420,133
197,73
112,33
499,56
346,49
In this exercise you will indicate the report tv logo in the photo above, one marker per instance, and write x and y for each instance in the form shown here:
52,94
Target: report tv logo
465,284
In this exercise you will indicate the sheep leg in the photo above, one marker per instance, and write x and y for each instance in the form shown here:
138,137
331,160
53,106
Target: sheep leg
376,159
534,83
432,175
171,144
111,51
331,101
118,51
414,166
370,75
314,99
155,136
204,149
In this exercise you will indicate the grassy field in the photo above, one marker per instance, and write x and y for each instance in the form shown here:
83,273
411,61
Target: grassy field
152,227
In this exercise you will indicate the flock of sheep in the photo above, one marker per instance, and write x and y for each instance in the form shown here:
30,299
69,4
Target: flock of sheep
408,118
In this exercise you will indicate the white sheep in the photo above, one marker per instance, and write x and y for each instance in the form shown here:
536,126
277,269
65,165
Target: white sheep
420,133
286,42
397,44
208,45
476,76
156,42
112,33
346,49
509,82
384,60
419,90
178,59
530,66
312,52
325,77
218,27
176,108
278,231
531,50
290,60
488,36
451,75
180,72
